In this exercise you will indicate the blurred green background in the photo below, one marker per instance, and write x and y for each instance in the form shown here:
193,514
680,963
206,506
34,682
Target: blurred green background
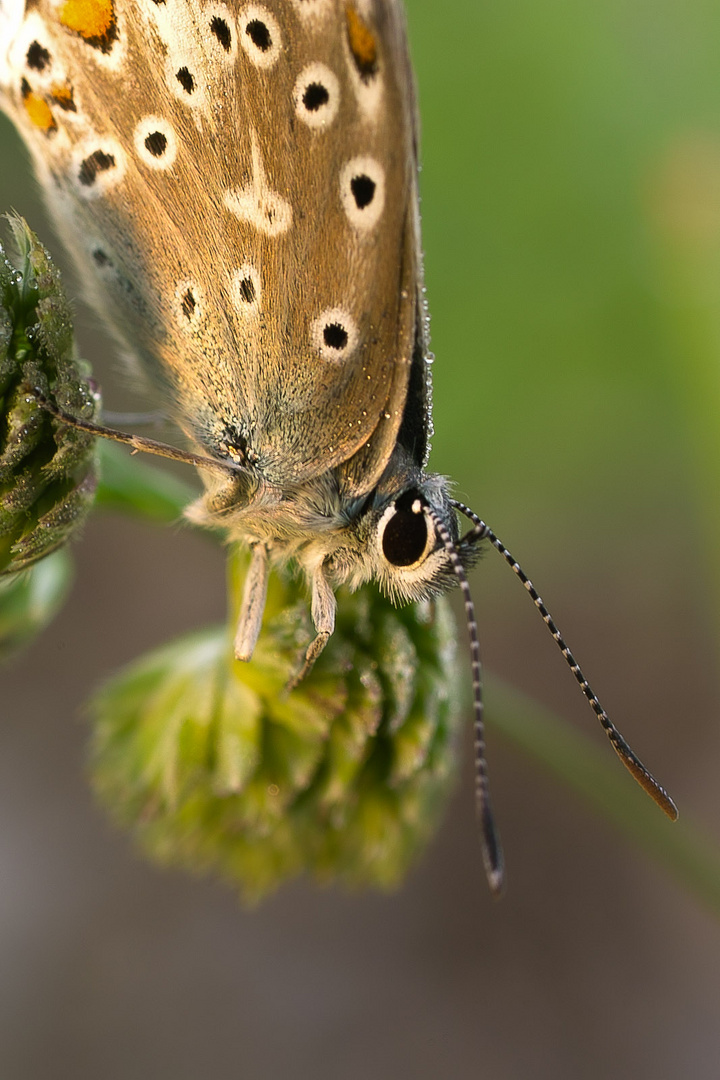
571,214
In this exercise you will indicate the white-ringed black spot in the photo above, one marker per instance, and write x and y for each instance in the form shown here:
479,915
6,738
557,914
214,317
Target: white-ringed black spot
221,30
93,164
188,304
259,34
37,57
246,290
185,77
335,336
316,95
101,258
156,143
363,189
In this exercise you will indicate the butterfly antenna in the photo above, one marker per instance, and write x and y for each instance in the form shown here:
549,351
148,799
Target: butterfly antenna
491,848
137,442
628,757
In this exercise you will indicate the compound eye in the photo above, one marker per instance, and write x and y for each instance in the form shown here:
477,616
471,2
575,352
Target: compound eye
405,537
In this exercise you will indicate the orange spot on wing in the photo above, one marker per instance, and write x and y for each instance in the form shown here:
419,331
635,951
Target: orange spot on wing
361,40
63,96
38,110
93,20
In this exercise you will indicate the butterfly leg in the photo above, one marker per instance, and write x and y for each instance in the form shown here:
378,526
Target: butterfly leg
253,604
323,615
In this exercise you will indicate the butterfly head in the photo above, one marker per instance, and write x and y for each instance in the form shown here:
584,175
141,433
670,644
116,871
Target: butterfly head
400,540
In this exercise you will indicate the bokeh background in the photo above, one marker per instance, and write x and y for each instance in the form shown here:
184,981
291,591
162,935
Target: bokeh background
571,211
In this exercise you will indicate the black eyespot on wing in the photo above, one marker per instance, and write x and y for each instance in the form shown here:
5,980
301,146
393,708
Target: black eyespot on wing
97,162
363,189
101,257
316,95
259,34
406,533
246,290
221,30
335,336
156,143
186,79
37,57
188,304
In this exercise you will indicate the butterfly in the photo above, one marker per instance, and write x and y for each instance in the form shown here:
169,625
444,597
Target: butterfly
238,183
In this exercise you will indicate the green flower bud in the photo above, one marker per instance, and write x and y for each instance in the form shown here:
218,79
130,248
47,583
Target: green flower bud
47,469
215,767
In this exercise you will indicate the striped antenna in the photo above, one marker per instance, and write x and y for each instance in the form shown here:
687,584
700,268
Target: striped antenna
629,758
491,849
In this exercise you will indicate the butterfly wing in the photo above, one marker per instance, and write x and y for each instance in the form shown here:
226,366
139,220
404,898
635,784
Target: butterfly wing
242,179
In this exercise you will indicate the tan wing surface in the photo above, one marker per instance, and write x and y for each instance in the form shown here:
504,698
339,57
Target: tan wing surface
242,179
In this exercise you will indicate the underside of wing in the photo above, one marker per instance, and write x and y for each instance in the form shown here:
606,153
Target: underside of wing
241,177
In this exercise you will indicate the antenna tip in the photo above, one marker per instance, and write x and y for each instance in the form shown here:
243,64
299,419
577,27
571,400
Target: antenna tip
668,805
648,782
496,881
492,851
